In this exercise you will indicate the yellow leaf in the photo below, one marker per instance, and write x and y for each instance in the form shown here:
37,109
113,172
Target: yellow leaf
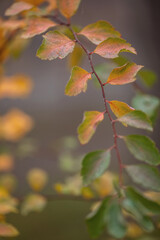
7,230
33,2
33,203
55,45
68,7
6,162
14,125
77,82
37,179
99,31
124,74
17,8
75,58
120,108
88,126
134,231
15,86
37,26
9,182
111,47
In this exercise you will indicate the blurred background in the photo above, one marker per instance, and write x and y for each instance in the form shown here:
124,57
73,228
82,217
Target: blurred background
56,115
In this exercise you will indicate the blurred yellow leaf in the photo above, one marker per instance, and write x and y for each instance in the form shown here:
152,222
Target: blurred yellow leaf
6,162
37,179
15,86
75,58
33,202
9,182
87,193
104,185
14,125
134,231
7,230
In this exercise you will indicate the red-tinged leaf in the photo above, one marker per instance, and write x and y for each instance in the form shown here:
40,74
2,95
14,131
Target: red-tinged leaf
77,82
7,230
111,47
99,31
55,45
33,2
123,75
88,126
68,7
37,26
120,109
13,24
17,8
52,5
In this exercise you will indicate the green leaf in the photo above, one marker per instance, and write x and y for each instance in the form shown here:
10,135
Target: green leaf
136,212
7,230
148,77
94,165
143,148
137,119
55,45
148,104
147,176
111,47
96,220
37,26
99,31
33,203
17,8
88,126
68,7
120,60
115,220
124,74
146,205
77,82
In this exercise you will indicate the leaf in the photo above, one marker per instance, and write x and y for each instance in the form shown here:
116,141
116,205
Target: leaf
94,165
116,225
136,119
55,45
33,203
111,47
143,148
148,104
146,205
120,108
99,31
34,2
103,70
17,8
6,162
7,230
37,178
124,74
146,176
76,57
37,26
68,7
148,77
14,125
77,82
15,86
88,126
133,208
96,220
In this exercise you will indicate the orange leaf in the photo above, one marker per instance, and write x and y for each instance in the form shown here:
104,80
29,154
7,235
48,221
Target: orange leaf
55,45
124,74
16,86
99,31
6,162
17,8
37,26
68,7
120,108
111,47
33,2
77,82
88,126
14,125
7,230
52,5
